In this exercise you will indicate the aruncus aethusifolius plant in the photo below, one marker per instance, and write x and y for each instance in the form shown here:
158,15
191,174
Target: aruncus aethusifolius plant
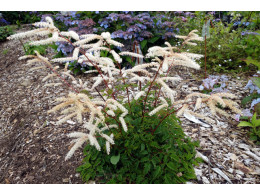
124,109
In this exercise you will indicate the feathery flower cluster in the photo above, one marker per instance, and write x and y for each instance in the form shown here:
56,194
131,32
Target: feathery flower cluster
213,101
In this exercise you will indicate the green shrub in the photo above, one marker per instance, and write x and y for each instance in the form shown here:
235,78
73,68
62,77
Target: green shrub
143,155
240,41
5,32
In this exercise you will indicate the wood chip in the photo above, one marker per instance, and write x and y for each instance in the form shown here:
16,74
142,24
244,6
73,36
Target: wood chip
242,167
218,171
252,155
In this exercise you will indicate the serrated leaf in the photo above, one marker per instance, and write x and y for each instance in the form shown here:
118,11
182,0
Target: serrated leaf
171,165
174,157
115,159
245,124
157,172
87,165
147,167
87,177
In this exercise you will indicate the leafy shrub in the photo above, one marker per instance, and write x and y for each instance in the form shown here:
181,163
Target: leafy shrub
241,42
23,17
144,154
5,32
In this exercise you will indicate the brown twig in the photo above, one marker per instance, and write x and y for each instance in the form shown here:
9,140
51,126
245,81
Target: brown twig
205,51
25,50
119,66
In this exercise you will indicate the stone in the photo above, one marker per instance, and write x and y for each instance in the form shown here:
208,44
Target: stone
205,180
26,83
222,132
65,180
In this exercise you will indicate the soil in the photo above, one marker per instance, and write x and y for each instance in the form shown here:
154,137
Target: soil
33,148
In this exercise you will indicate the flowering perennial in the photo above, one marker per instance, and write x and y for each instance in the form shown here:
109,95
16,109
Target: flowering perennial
91,103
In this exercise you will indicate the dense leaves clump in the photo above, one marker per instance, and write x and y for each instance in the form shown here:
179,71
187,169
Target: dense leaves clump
144,154
5,32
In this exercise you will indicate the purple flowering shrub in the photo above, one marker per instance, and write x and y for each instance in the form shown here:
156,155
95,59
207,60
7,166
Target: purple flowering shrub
146,27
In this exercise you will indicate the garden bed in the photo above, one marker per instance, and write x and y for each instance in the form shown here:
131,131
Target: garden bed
33,148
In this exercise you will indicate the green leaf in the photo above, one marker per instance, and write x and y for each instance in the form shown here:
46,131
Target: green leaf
115,159
245,124
254,119
246,100
175,157
87,165
154,39
257,123
171,165
249,61
256,81
129,59
143,44
253,137
157,172
147,167
142,147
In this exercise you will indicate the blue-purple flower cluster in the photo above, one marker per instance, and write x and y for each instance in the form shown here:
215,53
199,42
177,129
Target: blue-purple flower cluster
64,47
249,33
138,27
211,82
3,21
252,87
84,26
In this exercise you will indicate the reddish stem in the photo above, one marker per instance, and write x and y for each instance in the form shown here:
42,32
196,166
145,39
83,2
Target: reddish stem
150,89
62,79
205,51
119,66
